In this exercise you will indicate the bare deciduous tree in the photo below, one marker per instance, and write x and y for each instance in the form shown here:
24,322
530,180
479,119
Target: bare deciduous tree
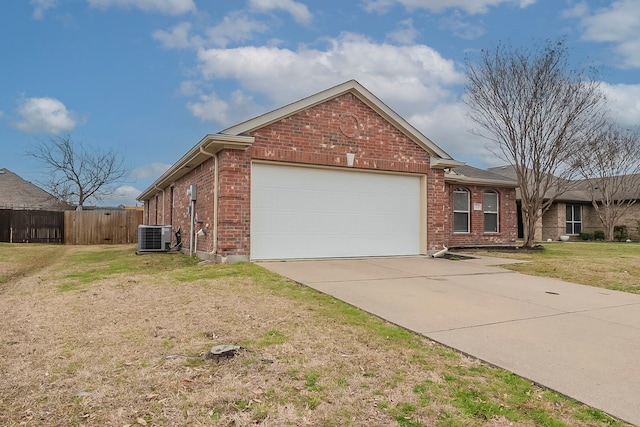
536,112
76,174
610,166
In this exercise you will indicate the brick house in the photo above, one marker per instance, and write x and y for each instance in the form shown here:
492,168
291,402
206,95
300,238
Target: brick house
573,212
337,174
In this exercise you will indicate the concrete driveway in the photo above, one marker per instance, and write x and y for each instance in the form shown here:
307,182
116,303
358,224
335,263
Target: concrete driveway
581,341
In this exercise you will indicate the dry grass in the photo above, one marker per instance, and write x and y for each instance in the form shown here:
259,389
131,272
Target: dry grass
96,336
19,260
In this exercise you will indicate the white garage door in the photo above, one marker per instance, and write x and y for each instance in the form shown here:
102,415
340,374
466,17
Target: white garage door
302,212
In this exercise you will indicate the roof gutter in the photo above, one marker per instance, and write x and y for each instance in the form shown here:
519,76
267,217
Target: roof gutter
461,179
444,163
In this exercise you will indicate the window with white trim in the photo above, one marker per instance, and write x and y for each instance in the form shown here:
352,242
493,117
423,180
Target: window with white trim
490,212
574,219
461,210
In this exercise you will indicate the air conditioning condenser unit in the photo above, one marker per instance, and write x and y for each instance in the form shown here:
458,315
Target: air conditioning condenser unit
154,238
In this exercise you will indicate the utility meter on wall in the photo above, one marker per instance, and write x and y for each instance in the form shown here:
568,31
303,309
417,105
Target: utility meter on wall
192,192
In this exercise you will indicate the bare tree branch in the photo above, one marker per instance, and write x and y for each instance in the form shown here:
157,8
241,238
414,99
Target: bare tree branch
610,166
537,113
76,174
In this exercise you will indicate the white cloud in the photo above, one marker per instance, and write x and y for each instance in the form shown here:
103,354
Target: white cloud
189,88
579,10
211,107
629,50
469,6
449,127
460,28
178,37
235,27
618,24
44,115
152,170
624,101
406,34
378,6
41,6
297,10
169,7
416,79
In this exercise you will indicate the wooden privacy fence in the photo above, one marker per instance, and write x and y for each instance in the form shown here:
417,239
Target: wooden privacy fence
101,227
31,226
95,227
5,225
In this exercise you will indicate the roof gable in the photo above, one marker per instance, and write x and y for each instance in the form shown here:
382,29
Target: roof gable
359,91
17,193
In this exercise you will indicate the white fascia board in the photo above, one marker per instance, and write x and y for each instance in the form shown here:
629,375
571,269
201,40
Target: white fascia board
465,180
444,163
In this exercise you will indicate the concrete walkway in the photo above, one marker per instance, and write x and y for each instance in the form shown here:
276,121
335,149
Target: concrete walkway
581,341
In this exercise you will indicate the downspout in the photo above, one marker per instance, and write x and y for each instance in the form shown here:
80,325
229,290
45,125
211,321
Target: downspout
192,220
216,184
440,252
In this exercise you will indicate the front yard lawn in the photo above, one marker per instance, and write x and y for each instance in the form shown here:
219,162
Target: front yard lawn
97,336
602,264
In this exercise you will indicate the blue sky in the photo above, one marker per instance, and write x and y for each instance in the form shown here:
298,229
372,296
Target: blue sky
150,78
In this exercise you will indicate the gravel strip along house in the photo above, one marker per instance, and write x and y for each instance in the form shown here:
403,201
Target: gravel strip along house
337,174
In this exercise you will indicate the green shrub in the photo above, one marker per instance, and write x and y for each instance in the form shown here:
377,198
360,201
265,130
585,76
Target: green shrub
586,235
598,235
620,232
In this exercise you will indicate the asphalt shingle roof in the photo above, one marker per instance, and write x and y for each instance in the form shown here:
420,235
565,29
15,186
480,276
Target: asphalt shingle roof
579,191
17,193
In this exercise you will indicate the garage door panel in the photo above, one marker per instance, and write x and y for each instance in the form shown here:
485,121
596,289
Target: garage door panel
300,212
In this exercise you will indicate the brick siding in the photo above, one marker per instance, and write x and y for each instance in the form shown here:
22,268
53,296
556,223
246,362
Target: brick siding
507,218
319,135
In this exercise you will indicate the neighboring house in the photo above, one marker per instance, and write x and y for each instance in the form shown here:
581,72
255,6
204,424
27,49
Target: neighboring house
18,194
573,211
337,174
28,214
